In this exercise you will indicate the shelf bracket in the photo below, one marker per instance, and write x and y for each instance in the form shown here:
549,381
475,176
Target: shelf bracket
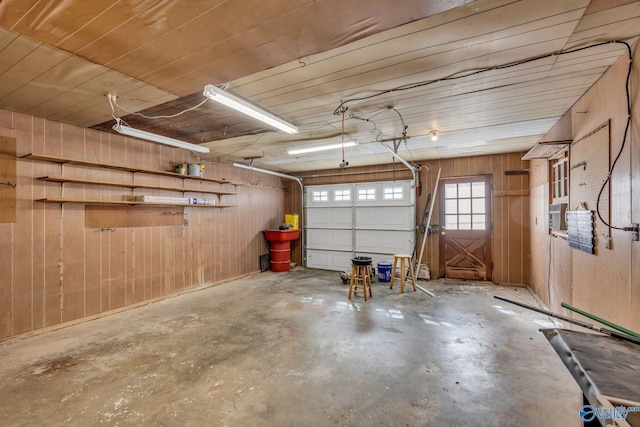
582,164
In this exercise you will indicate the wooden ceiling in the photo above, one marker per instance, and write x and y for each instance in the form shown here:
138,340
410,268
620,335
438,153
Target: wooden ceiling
301,59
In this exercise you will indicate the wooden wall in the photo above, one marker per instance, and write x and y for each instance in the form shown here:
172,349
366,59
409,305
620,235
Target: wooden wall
608,283
510,205
550,281
510,212
56,270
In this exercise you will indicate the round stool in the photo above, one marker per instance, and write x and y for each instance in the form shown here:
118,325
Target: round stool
402,258
360,273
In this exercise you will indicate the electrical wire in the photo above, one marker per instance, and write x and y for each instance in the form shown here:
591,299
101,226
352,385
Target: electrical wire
472,72
112,101
375,125
113,110
404,126
469,73
353,116
251,144
624,140
406,146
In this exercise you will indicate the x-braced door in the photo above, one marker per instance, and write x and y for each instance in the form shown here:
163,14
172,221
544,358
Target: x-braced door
465,236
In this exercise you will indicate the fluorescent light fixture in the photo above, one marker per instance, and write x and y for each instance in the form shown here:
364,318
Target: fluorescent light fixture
323,147
137,133
232,101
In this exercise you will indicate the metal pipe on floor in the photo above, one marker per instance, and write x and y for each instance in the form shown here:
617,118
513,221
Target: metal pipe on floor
601,320
425,291
605,331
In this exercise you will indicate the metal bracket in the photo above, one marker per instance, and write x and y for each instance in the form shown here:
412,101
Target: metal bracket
577,165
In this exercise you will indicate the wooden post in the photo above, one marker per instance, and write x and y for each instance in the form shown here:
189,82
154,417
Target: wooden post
426,230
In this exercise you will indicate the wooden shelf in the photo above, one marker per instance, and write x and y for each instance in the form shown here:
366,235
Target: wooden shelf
125,185
127,203
63,160
62,180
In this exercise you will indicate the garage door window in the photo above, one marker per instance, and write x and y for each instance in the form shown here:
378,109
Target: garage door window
367,194
320,196
394,193
342,195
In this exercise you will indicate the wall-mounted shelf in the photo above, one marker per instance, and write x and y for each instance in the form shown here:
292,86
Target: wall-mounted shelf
66,160
125,185
62,180
126,203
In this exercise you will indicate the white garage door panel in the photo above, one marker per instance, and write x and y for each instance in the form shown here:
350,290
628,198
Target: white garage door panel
375,191
329,260
337,240
327,217
342,221
384,242
326,195
385,218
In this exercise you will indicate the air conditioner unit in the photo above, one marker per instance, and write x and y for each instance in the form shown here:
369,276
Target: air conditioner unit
557,220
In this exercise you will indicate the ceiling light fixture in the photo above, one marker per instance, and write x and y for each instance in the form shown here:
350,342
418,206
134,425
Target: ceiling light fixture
137,133
322,147
232,101
434,135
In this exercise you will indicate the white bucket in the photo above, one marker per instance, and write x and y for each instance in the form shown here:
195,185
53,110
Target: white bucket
194,170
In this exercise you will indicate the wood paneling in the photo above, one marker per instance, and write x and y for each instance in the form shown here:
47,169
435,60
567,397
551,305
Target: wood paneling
605,284
602,285
139,216
539,214
634,164
560,273
510,207
7,179
57,269
589,160
510,234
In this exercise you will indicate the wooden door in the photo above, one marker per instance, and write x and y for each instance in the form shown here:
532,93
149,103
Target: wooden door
465,228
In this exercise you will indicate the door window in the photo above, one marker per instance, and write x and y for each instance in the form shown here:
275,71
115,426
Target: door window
465,206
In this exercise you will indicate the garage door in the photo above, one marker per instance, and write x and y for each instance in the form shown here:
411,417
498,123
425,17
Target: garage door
365,219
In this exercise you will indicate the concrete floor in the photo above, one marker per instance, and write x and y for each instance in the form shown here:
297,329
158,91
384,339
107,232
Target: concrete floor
289,349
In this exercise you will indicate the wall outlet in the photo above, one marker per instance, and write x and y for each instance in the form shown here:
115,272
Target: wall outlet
608,242
186,222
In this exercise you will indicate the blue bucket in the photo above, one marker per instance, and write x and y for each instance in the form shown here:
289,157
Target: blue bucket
384,271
